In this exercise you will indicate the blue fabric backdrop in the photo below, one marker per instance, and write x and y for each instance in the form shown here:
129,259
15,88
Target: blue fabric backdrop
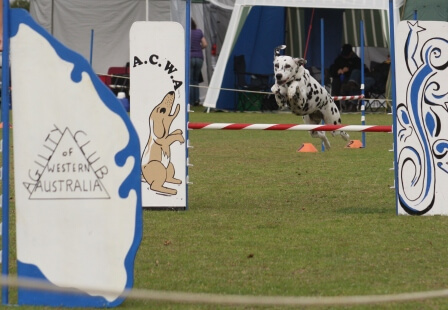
333,36
263,30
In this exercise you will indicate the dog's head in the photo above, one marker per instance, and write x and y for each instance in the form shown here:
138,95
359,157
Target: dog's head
286,68
161,117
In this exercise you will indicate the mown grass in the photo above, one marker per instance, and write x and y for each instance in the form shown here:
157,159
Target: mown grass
266,220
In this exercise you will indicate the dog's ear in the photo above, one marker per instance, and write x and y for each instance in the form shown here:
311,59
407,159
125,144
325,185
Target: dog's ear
278,49
156,121
300,61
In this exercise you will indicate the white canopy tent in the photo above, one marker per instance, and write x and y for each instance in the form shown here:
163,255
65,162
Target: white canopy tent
241,11
72,22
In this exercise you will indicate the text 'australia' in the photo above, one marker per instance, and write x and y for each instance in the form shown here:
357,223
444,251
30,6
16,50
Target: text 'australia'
68,186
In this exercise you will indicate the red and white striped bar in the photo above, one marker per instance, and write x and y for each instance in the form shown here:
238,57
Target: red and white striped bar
348,97
302,127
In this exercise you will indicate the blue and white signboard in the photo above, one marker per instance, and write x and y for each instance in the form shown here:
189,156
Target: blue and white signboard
158,111
77,174
421,133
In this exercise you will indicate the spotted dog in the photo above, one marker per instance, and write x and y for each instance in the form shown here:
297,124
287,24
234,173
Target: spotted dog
296,88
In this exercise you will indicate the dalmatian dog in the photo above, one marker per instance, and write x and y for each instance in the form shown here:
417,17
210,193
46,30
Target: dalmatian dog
294,86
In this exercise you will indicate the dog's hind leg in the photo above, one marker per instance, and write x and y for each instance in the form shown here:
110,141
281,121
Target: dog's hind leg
155,175
321,135
332,116
170,175
157,186
315,119
343,134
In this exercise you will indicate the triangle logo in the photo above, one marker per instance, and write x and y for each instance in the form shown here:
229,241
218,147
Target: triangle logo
67,175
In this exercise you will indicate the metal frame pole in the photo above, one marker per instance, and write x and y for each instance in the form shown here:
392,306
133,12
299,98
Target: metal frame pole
5,150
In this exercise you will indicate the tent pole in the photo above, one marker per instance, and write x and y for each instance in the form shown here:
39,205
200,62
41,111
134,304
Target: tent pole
309,34
322,51
92,32
187,84
5,150
187,51
52,17
393,90
363,112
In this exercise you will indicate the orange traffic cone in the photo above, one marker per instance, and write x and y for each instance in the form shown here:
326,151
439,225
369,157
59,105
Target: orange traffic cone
307,148
354,144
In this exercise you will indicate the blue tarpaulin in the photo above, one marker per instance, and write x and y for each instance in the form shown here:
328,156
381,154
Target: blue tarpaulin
263,30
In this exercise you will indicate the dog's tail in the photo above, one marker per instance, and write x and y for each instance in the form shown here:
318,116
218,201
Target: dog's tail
278,49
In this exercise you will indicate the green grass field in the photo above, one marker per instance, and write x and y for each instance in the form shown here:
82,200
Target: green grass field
266,220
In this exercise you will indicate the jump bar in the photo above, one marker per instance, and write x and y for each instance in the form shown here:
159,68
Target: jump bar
300,127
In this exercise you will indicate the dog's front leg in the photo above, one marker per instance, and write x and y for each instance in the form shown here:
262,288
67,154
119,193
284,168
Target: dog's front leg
302,91
281,100
175,136
176,132
292,89
176,111
280,95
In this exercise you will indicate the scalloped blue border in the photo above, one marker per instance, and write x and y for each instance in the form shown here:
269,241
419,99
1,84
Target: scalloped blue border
131,183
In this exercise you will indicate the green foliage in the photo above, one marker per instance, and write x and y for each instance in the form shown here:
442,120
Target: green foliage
266,220
23,4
